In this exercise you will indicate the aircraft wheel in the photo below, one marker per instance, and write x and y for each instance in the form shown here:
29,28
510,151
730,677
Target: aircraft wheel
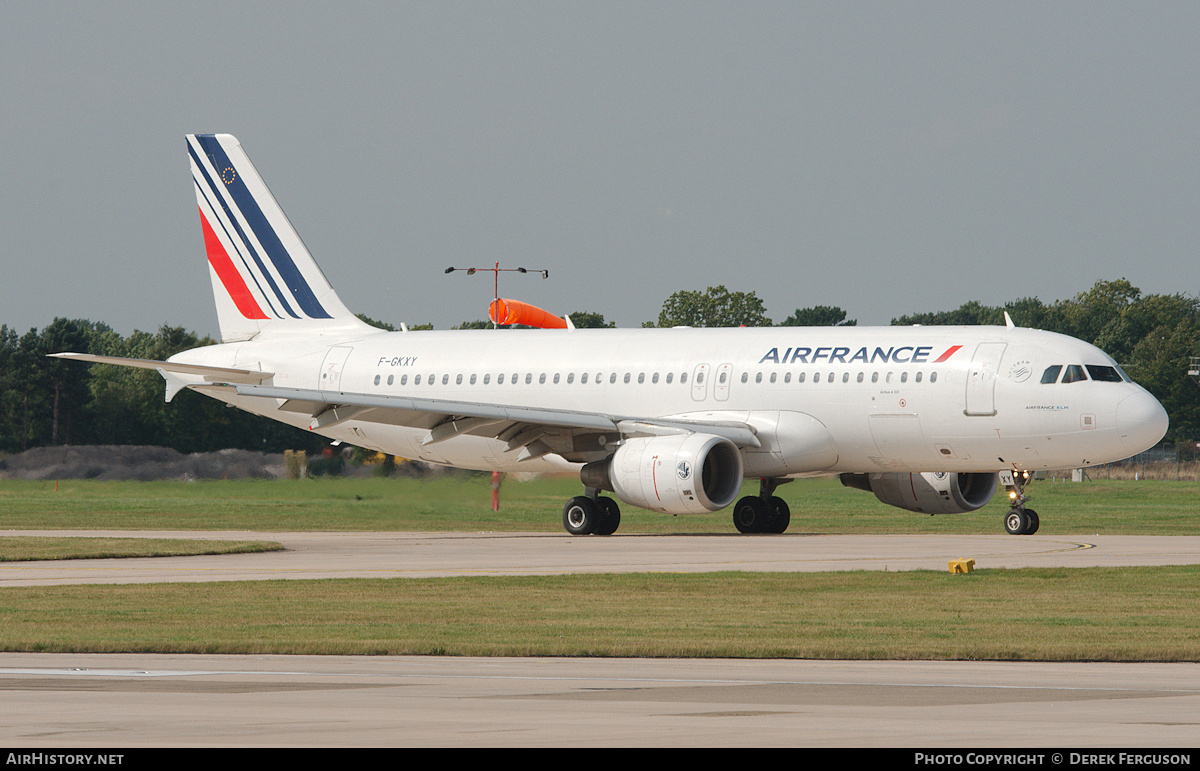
751,515
1034,522
1016,522
781,515
581,515
610,517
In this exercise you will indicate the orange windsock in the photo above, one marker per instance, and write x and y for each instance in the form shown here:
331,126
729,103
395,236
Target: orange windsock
506,312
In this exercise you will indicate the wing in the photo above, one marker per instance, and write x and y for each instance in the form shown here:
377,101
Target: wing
573,434
534,431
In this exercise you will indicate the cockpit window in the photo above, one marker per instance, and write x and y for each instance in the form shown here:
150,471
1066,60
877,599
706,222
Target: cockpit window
1051,374
1104,373
1074,374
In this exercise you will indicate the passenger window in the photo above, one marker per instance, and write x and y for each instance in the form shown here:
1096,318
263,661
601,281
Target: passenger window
377,380
570,378
1051,374
529,378
487,378
670,376
446,379
787,377
391,379
541,379
654,378
583,378
918,377
874,377
830,378
1074,374
499,379
758,377
457,380
682,378
772,377
860,377
932,377
903,377
472,378
404,380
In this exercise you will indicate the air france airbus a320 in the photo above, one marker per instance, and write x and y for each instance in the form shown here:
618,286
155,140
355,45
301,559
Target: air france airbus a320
929,419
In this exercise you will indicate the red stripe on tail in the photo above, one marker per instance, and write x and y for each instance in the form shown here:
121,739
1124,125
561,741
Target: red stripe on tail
228,273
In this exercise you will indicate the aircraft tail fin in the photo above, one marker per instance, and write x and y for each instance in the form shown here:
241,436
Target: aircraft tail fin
264,279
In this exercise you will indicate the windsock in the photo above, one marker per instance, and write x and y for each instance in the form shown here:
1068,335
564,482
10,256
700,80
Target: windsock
507,312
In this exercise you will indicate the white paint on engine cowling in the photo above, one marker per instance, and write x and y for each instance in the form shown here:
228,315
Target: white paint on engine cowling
677,474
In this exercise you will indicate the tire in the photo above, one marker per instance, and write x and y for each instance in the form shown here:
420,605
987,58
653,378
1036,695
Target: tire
1034,522
1016,522
610,517
751,515
581,515
781,515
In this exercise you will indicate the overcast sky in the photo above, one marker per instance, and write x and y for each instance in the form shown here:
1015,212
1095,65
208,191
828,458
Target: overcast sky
886,157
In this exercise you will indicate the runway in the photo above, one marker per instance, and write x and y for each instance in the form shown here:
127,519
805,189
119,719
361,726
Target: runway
127,700
421,555
305,701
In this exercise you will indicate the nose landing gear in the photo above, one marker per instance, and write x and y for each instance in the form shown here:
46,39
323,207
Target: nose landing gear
1019,520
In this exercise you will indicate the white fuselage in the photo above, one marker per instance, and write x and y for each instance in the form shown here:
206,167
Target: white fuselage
890,398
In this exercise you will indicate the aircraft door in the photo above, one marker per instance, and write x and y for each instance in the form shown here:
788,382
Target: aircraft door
331,369
981,379
721,384
700,382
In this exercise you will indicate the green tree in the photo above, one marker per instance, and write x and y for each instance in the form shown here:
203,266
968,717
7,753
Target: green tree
715,307
819,316
586,320
377,324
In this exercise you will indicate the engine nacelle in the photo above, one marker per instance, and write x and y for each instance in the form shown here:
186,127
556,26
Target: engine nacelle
675,474
928,493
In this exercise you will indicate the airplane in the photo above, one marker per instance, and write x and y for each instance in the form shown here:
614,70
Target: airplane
929,419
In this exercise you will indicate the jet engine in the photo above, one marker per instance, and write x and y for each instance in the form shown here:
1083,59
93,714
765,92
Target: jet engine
675,474
928,493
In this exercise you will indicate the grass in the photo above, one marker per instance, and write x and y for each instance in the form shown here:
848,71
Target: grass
29,548
1038,614
1094,614
463,503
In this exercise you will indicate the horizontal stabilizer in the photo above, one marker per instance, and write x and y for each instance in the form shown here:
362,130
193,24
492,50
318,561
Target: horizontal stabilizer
210,374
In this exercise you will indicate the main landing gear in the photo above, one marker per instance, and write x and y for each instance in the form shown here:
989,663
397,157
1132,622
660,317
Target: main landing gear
1019,520
591,515
762,513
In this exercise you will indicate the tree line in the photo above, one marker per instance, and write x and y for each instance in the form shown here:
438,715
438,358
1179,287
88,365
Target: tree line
47,401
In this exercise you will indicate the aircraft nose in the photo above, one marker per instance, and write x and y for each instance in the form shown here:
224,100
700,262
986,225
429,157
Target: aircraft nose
1141,422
